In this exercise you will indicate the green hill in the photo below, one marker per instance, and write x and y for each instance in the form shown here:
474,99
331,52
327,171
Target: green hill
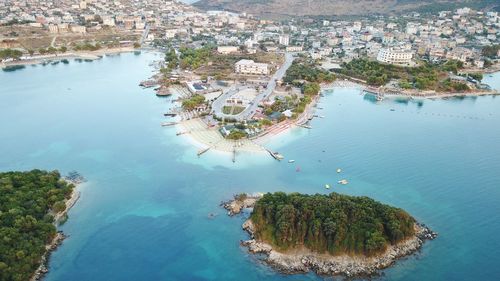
334,223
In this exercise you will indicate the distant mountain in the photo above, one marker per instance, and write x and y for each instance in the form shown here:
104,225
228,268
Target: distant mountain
287,8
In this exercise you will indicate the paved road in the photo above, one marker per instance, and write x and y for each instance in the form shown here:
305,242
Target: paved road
145,34
250,110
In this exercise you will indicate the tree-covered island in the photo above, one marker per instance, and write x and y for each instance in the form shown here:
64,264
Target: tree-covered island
330,234
29,203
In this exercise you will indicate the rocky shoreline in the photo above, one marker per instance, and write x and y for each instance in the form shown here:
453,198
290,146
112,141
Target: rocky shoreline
304,260
73,178
52,246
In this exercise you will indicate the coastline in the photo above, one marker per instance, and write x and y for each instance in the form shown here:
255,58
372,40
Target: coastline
58,239
202,136
414,94
303,260
84,55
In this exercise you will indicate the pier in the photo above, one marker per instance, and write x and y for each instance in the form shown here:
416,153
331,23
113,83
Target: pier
168,124
275,155
200,152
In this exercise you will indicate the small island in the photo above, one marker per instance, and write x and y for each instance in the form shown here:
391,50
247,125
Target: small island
330,234
32,204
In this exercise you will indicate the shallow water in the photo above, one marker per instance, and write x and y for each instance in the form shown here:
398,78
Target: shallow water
143,213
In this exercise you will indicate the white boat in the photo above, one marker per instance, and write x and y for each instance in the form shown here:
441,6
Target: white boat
291,161
344,182
339,170
327,186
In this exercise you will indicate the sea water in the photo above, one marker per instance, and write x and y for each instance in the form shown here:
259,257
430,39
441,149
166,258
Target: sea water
144,212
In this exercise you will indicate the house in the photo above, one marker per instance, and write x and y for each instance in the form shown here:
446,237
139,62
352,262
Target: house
250,67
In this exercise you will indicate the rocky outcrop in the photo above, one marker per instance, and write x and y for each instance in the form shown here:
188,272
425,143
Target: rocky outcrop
303,260
42,269
240,202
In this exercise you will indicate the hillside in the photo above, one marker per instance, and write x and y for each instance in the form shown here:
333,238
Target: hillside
286,8
28,201
334,223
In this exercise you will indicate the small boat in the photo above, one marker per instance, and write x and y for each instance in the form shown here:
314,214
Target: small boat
344,182
392,109
339,170
327,186
291,161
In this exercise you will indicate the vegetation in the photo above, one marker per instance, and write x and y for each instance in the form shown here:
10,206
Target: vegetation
490,51
334,223
236,135
87,47
10,54
26,198
171,60
302,69
193,102
232,110
194,58
424,77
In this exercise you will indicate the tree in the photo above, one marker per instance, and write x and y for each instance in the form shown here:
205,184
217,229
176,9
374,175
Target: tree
26,226
334,223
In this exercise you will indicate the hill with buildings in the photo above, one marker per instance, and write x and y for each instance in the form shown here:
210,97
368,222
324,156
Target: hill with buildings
290,8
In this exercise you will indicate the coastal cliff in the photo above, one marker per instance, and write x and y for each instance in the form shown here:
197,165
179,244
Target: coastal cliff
305,255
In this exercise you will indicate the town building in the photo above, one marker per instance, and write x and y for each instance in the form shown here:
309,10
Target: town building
397,56
251,67
227,49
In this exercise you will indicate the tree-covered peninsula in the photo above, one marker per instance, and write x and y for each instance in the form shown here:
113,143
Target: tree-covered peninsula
28,201
334,223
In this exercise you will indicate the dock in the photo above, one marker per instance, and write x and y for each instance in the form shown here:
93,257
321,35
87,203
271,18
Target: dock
200,152
168,124
304,126
275,155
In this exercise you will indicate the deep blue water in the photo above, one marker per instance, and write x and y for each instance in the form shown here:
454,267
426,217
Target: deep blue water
143,212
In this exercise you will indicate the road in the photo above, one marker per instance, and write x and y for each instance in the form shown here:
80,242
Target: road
145,34
250,110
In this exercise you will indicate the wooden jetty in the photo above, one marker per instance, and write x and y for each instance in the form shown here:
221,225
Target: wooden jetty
201,151
168,124
377,92
304,126
275,155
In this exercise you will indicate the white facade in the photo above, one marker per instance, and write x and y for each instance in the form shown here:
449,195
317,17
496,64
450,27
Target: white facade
395,56
227,49
284,40
251,67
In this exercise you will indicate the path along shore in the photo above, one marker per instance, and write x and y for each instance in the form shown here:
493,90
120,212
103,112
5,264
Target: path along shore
84,55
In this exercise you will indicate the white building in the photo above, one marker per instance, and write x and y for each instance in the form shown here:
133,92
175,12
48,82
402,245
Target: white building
251,67
284,40
396,56
294,49
227,49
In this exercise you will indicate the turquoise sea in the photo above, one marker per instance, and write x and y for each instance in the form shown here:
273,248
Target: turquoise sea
143,212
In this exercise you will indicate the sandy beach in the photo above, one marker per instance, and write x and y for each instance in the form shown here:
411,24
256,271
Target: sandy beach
205,137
